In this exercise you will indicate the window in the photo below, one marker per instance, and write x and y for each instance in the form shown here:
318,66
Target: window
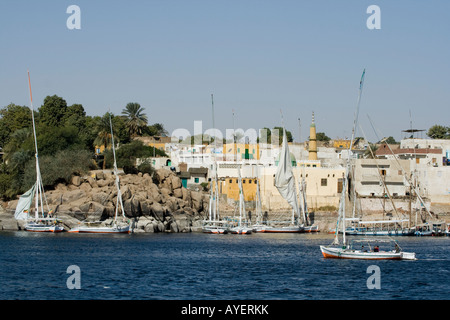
231,180
383,172
323,182
196,180
249,181
243,181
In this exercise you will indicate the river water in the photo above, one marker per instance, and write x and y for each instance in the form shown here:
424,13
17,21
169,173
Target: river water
196,266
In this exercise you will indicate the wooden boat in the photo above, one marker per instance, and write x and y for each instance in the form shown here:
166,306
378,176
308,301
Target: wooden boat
380,228
96,227
368,249
278,229
340,250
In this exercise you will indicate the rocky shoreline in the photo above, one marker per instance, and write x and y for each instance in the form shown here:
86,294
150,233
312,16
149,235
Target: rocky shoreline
152,204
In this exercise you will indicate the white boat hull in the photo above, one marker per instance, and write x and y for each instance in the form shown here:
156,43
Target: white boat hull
214,230
311,229
114,229
382,233
38,227
241,230
270,229
340,253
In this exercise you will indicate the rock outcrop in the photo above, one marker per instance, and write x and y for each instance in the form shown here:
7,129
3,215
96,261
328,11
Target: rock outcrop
152,204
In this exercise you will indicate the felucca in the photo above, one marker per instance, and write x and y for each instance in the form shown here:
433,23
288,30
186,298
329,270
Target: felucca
116,225
42,221
340,249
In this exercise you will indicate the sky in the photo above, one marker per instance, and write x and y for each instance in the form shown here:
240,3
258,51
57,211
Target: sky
270,62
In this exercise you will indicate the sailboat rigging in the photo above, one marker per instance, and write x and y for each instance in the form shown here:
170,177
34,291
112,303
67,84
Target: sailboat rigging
214,224
342,250
116,226
42,222
241,228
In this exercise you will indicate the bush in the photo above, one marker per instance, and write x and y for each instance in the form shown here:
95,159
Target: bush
59,168
145,167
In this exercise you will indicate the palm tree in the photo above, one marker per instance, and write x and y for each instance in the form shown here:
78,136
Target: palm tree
136,119
104,134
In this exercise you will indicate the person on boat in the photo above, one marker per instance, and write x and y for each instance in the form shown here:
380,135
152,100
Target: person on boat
363,249
376,249
397,248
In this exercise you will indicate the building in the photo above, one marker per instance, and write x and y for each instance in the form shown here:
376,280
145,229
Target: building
157,142
378,177
241,151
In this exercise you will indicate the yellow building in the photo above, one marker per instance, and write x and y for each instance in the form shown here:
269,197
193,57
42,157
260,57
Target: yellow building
243,151
341,144
229,186
156,142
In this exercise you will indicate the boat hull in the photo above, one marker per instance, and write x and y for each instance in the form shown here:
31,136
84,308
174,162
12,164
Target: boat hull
214,230
382,233
311,229
108,230
340,253
240,230
269,229
36,227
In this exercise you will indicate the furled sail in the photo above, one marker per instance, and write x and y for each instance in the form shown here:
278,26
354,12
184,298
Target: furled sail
24,204
284,179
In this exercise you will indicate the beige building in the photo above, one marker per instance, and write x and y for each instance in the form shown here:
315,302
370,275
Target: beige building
323,188
373,176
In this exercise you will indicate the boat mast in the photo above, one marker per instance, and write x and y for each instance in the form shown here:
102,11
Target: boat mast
116,173
347,168
302,182
241,191
39,187
215,185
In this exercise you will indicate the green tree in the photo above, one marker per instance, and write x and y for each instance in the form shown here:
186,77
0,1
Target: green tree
50,140
75,116
266,135
103,129
389,140
157,129
12,118
439,132
321,136
136,120
53,111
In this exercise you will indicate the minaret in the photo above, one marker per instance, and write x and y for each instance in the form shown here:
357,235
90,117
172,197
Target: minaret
312,141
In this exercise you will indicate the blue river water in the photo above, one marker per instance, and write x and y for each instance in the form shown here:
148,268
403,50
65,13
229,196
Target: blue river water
196,266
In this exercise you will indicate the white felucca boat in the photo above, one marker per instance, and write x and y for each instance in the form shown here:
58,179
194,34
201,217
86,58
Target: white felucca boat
115,226
285,183
214,224
241,227
42,222
342,250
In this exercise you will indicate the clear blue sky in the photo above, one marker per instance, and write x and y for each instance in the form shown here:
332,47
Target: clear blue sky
255,56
